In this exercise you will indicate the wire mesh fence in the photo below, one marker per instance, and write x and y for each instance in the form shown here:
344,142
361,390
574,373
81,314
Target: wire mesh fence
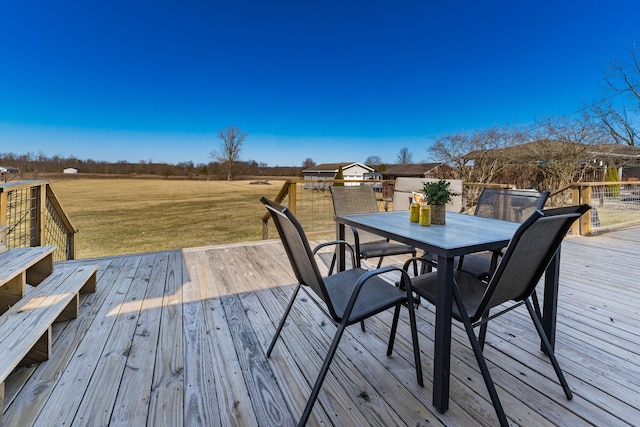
33,218
21,207
56,234
613,204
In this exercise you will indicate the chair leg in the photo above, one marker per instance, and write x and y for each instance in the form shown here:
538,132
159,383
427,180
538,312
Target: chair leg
536,304
549,350
394,327
322,374
482,364
333,263
482,335
284,317
414,339
380,261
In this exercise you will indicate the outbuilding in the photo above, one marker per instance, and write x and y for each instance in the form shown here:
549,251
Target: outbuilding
328,171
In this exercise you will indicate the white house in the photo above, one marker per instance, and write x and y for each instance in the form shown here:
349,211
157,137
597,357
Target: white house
70,170
327,171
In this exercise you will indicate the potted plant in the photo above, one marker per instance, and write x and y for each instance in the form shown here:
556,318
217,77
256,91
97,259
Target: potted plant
437,194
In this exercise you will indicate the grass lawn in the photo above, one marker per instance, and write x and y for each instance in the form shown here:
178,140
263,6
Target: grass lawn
116,217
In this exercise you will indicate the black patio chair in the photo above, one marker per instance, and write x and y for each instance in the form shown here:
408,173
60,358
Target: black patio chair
360,199
507,205
524,262
575,209
349,296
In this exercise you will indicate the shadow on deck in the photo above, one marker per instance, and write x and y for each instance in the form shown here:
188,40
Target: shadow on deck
179,338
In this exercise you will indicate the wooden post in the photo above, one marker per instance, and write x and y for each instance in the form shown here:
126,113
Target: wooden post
35,219
3,207
71,245
292,197
575,200
586,220
582,194
3,238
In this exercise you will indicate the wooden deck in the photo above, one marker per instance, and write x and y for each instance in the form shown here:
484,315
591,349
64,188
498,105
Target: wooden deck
179,338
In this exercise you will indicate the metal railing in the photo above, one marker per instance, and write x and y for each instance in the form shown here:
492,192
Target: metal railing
616,204
33,216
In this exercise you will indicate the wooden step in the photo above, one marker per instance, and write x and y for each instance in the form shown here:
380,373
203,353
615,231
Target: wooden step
25,329
19,267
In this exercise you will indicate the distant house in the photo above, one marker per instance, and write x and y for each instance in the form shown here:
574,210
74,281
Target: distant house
328,171
71,170
596,156
417,170
6,172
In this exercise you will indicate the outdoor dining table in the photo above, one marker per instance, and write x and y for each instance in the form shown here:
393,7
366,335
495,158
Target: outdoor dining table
462,234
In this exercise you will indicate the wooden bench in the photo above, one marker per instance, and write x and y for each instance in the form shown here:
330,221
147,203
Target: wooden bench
19,267
25,328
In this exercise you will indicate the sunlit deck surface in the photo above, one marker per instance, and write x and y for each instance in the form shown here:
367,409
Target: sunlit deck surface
179,338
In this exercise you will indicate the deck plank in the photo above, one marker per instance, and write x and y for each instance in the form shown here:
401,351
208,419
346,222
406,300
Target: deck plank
100,359
179,338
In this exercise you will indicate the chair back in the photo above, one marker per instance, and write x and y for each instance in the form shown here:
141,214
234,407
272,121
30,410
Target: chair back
527,256
509,205
298,250
579,209
348,200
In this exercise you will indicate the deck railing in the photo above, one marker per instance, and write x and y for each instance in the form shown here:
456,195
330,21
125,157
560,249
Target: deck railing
33,216
616,204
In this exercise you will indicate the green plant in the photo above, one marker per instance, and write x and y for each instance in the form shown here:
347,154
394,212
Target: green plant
612,176
438,192
340,176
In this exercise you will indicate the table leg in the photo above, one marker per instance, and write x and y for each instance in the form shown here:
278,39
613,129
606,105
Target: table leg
442,349
340,249
550,301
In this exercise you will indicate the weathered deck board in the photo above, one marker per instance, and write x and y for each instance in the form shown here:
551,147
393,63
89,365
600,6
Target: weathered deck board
179,338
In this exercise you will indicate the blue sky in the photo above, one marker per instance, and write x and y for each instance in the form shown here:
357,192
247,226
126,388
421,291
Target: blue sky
331,80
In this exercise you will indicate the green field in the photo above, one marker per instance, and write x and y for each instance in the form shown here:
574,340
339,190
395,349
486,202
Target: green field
116,217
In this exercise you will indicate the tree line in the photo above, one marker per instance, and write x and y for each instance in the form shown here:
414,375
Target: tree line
34,164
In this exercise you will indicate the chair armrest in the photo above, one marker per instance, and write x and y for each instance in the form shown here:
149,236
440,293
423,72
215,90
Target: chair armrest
356,239
420,259
336,243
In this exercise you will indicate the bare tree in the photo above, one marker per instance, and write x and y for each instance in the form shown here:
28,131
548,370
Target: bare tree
373,161
477,155
308,163
230,147
405,156
619,112
583,129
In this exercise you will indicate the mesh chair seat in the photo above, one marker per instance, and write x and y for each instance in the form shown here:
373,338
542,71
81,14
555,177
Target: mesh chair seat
374,298
382,248
471,291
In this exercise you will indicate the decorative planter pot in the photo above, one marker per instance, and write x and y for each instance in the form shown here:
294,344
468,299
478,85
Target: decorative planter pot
438,214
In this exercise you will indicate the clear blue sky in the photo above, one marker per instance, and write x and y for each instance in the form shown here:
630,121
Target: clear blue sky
331,80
